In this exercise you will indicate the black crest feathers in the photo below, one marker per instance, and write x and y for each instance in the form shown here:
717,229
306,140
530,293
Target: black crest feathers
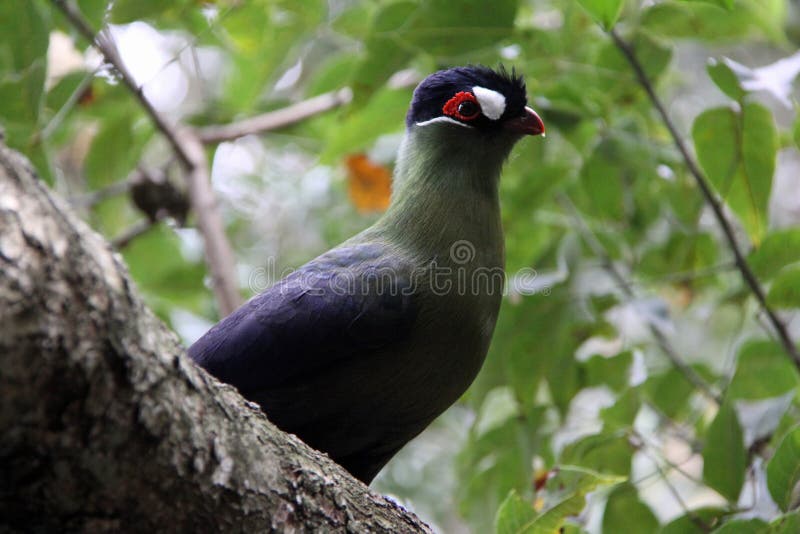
433,92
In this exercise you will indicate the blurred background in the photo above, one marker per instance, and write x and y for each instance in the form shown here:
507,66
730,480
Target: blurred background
636,354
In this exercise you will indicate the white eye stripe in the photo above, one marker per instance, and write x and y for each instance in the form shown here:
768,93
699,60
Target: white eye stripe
493,104
443,119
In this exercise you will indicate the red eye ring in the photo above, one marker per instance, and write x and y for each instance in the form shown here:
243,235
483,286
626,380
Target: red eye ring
453,107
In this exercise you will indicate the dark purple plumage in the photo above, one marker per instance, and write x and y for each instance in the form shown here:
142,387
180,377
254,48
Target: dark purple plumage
347,305
335,305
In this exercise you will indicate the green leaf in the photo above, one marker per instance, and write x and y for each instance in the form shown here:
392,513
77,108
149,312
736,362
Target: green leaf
688,524
742,526
170,282
762,371
783,472
124,11
785,289
608,452
116,148
759,150
331,75
779,249
58,95
573,484
724,455
613,372
797,131
605,12
386,49
737,152
669,392
785,524
358,130
513,515
625,511
699,20
725,78
715,138
23,60
262,37
456,30
94,11
492,463
602,180
497,408
623,411
517,516
727,4
681,253
654,54
565,494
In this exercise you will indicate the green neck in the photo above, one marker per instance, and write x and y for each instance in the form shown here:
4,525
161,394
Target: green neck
445,190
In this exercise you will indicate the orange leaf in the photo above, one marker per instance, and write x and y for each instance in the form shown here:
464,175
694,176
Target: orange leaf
369,183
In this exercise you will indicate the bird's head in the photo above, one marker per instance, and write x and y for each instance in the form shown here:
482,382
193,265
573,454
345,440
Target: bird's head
460,128
489,104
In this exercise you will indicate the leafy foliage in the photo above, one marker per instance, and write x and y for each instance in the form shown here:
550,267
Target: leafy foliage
724,457
630,270
783,471
566,490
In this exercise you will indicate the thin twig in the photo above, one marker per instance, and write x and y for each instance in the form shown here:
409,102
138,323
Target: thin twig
627,289
693,517
189,151
61,114
89,199
741,263
694,274
272,120
132,232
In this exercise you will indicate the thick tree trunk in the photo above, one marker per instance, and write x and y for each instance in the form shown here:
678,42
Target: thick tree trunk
105,425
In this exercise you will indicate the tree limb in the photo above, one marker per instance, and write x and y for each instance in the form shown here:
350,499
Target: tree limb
708,194
106,426
218,252
272,120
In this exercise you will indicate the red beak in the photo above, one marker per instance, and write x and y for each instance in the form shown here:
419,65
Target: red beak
528,124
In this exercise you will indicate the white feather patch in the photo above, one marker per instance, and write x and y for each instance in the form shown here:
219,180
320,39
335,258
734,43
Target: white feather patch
493,104
443,119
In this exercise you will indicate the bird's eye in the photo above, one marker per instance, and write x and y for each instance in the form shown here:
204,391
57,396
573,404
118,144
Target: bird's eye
468,109
463,106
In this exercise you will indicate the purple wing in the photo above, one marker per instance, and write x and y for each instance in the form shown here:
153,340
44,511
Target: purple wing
347,303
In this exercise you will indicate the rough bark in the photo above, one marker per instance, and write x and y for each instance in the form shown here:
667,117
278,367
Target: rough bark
105,425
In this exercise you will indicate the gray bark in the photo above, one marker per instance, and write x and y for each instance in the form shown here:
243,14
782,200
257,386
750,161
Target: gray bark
105,425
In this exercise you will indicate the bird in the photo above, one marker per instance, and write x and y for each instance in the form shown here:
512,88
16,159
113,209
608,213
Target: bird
360,349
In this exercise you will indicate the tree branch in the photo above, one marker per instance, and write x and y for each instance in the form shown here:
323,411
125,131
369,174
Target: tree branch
106,425
218,252
741,262
273,120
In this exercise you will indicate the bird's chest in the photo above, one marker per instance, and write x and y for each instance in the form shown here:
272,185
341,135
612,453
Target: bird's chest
452,333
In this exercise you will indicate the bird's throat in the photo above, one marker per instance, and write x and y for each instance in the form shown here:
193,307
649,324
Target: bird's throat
445,192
